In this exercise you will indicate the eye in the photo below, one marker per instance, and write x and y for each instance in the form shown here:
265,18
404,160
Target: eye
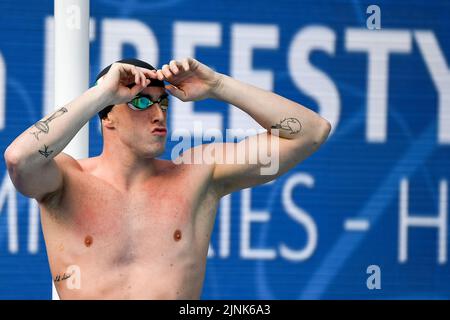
142,102
164,104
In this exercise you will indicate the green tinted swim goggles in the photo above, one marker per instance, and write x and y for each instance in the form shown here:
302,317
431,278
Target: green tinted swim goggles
143,102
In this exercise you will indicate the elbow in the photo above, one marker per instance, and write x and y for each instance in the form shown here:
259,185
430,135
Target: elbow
326,130
323,131
11,158
13,161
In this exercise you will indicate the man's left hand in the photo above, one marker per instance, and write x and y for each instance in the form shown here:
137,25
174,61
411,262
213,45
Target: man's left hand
189,79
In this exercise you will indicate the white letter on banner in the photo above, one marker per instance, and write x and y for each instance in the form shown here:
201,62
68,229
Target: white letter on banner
378,46
246,38
188,36
308,78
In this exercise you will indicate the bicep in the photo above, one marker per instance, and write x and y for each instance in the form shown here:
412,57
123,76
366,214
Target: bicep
43,183
266,158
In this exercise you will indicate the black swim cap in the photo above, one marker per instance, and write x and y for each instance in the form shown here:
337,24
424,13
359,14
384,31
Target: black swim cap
138,63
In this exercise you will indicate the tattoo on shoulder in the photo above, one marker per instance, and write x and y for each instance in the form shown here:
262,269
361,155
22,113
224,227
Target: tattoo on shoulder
291,125
42,125
46,152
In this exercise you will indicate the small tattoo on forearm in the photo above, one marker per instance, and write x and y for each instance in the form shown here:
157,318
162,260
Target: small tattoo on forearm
42,125
65,276
46,153
291,125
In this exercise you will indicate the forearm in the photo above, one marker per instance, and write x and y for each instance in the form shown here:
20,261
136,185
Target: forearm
40,143
272,111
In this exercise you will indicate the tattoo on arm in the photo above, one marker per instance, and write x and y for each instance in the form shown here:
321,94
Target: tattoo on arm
291,125
42,125
46,153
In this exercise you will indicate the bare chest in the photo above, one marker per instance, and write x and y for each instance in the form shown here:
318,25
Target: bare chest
140,240
106,212
100,211
154,221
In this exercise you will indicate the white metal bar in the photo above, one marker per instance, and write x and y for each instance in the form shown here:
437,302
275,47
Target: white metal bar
72,66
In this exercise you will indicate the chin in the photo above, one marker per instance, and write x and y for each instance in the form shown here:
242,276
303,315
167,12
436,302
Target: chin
155,151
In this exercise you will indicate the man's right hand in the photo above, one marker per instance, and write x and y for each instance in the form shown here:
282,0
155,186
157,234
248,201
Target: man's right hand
115,83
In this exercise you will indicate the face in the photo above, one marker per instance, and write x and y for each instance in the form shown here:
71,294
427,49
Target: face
138,129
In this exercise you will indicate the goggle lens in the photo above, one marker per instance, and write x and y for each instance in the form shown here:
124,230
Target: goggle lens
144,102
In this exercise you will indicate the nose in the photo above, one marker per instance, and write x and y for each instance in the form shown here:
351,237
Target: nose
157,114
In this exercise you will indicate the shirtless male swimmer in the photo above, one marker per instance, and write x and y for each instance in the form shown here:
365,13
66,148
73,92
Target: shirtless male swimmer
138,227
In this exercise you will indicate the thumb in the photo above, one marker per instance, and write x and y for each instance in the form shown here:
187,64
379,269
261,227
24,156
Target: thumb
180,94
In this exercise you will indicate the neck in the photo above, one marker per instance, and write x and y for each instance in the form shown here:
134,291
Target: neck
124,168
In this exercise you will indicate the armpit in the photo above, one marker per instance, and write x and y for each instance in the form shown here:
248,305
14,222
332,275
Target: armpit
52,200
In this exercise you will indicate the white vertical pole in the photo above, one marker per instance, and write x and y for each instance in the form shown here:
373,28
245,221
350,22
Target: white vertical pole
72,66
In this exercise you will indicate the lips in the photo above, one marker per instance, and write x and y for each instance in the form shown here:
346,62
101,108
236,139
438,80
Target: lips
159,131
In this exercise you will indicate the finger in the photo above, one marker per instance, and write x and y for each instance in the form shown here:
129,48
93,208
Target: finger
135,90
160,75
118,71
117,68
133,70
185,63
180,94
148,73
176,65
143,79
166,71
139,79
152,75
128,72
173,67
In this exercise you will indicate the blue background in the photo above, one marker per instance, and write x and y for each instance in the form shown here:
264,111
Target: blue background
352,177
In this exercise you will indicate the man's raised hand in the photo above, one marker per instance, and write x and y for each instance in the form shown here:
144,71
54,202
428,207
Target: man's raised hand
120,76
189,79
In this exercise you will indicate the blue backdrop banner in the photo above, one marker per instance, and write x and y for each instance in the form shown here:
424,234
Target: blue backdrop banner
366,217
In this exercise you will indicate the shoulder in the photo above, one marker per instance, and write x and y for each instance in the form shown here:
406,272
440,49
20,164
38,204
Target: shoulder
67,162
200,161
202,154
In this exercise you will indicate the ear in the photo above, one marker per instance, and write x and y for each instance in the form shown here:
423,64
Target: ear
108,121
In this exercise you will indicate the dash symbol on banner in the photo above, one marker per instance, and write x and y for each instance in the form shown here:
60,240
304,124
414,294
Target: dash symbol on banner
356,225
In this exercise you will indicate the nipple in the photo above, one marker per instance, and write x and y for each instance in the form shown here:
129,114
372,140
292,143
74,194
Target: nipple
177,235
